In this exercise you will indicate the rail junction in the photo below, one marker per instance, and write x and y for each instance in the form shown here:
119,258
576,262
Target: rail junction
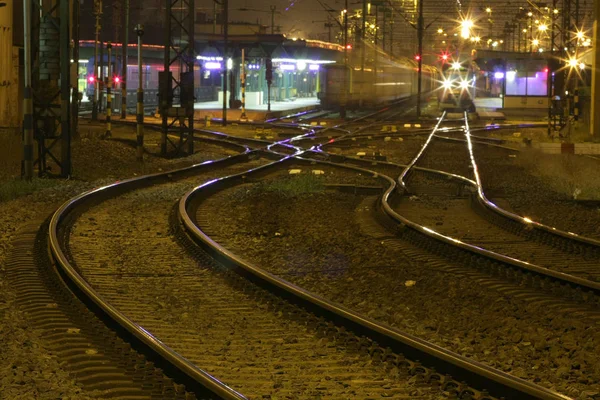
152,281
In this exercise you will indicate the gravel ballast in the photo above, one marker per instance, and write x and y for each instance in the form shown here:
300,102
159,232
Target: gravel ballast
27,369
315,241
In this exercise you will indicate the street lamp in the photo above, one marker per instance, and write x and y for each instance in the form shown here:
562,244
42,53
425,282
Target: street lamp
573,62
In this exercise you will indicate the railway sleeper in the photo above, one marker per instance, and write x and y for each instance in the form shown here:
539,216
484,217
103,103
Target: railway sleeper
496,268
530,232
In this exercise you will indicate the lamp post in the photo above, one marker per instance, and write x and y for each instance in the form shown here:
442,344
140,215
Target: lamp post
420,54
139,30
488,10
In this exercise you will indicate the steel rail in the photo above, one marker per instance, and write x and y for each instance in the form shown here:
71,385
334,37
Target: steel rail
478,185
523,220
492,380
423,148
193,377
523,265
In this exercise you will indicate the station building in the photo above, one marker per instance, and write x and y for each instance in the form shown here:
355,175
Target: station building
295,67
514,80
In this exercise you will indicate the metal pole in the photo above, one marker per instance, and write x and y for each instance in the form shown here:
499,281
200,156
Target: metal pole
27,170
362,51
531,34
95,75
65,89
109,92
225,39
243,79
139,29
166,98
214,17
549,66
100,92
392,34
273,19
191,57
384,26
75,83
594,118
124,57
269,85
344,101
420,54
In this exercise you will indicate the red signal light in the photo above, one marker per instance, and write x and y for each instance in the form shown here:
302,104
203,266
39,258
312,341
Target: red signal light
91,79
417,57
445,57
349,46
546,70
117,79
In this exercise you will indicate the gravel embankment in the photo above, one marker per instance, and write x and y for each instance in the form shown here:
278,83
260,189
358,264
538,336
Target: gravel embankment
27,369
397,150
138,264
541,187
320,246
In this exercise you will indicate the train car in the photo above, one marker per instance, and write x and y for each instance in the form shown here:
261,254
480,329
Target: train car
457,88
388,82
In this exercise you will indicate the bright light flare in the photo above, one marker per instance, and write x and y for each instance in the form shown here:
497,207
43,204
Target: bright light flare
456,65
467,23
543,28
573,62
447,84
464,84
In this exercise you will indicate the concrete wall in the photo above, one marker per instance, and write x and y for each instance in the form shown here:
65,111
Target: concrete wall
569,148
9,70
525,102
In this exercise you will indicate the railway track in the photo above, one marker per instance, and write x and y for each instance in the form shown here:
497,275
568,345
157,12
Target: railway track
435,206
193,215
443,307
286,312
201,324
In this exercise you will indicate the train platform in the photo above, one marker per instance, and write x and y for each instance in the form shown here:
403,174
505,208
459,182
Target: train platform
214,109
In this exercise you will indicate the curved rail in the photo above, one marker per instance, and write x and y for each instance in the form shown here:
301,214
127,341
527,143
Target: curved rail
460,367
515,217
523,265
193,377
414,161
